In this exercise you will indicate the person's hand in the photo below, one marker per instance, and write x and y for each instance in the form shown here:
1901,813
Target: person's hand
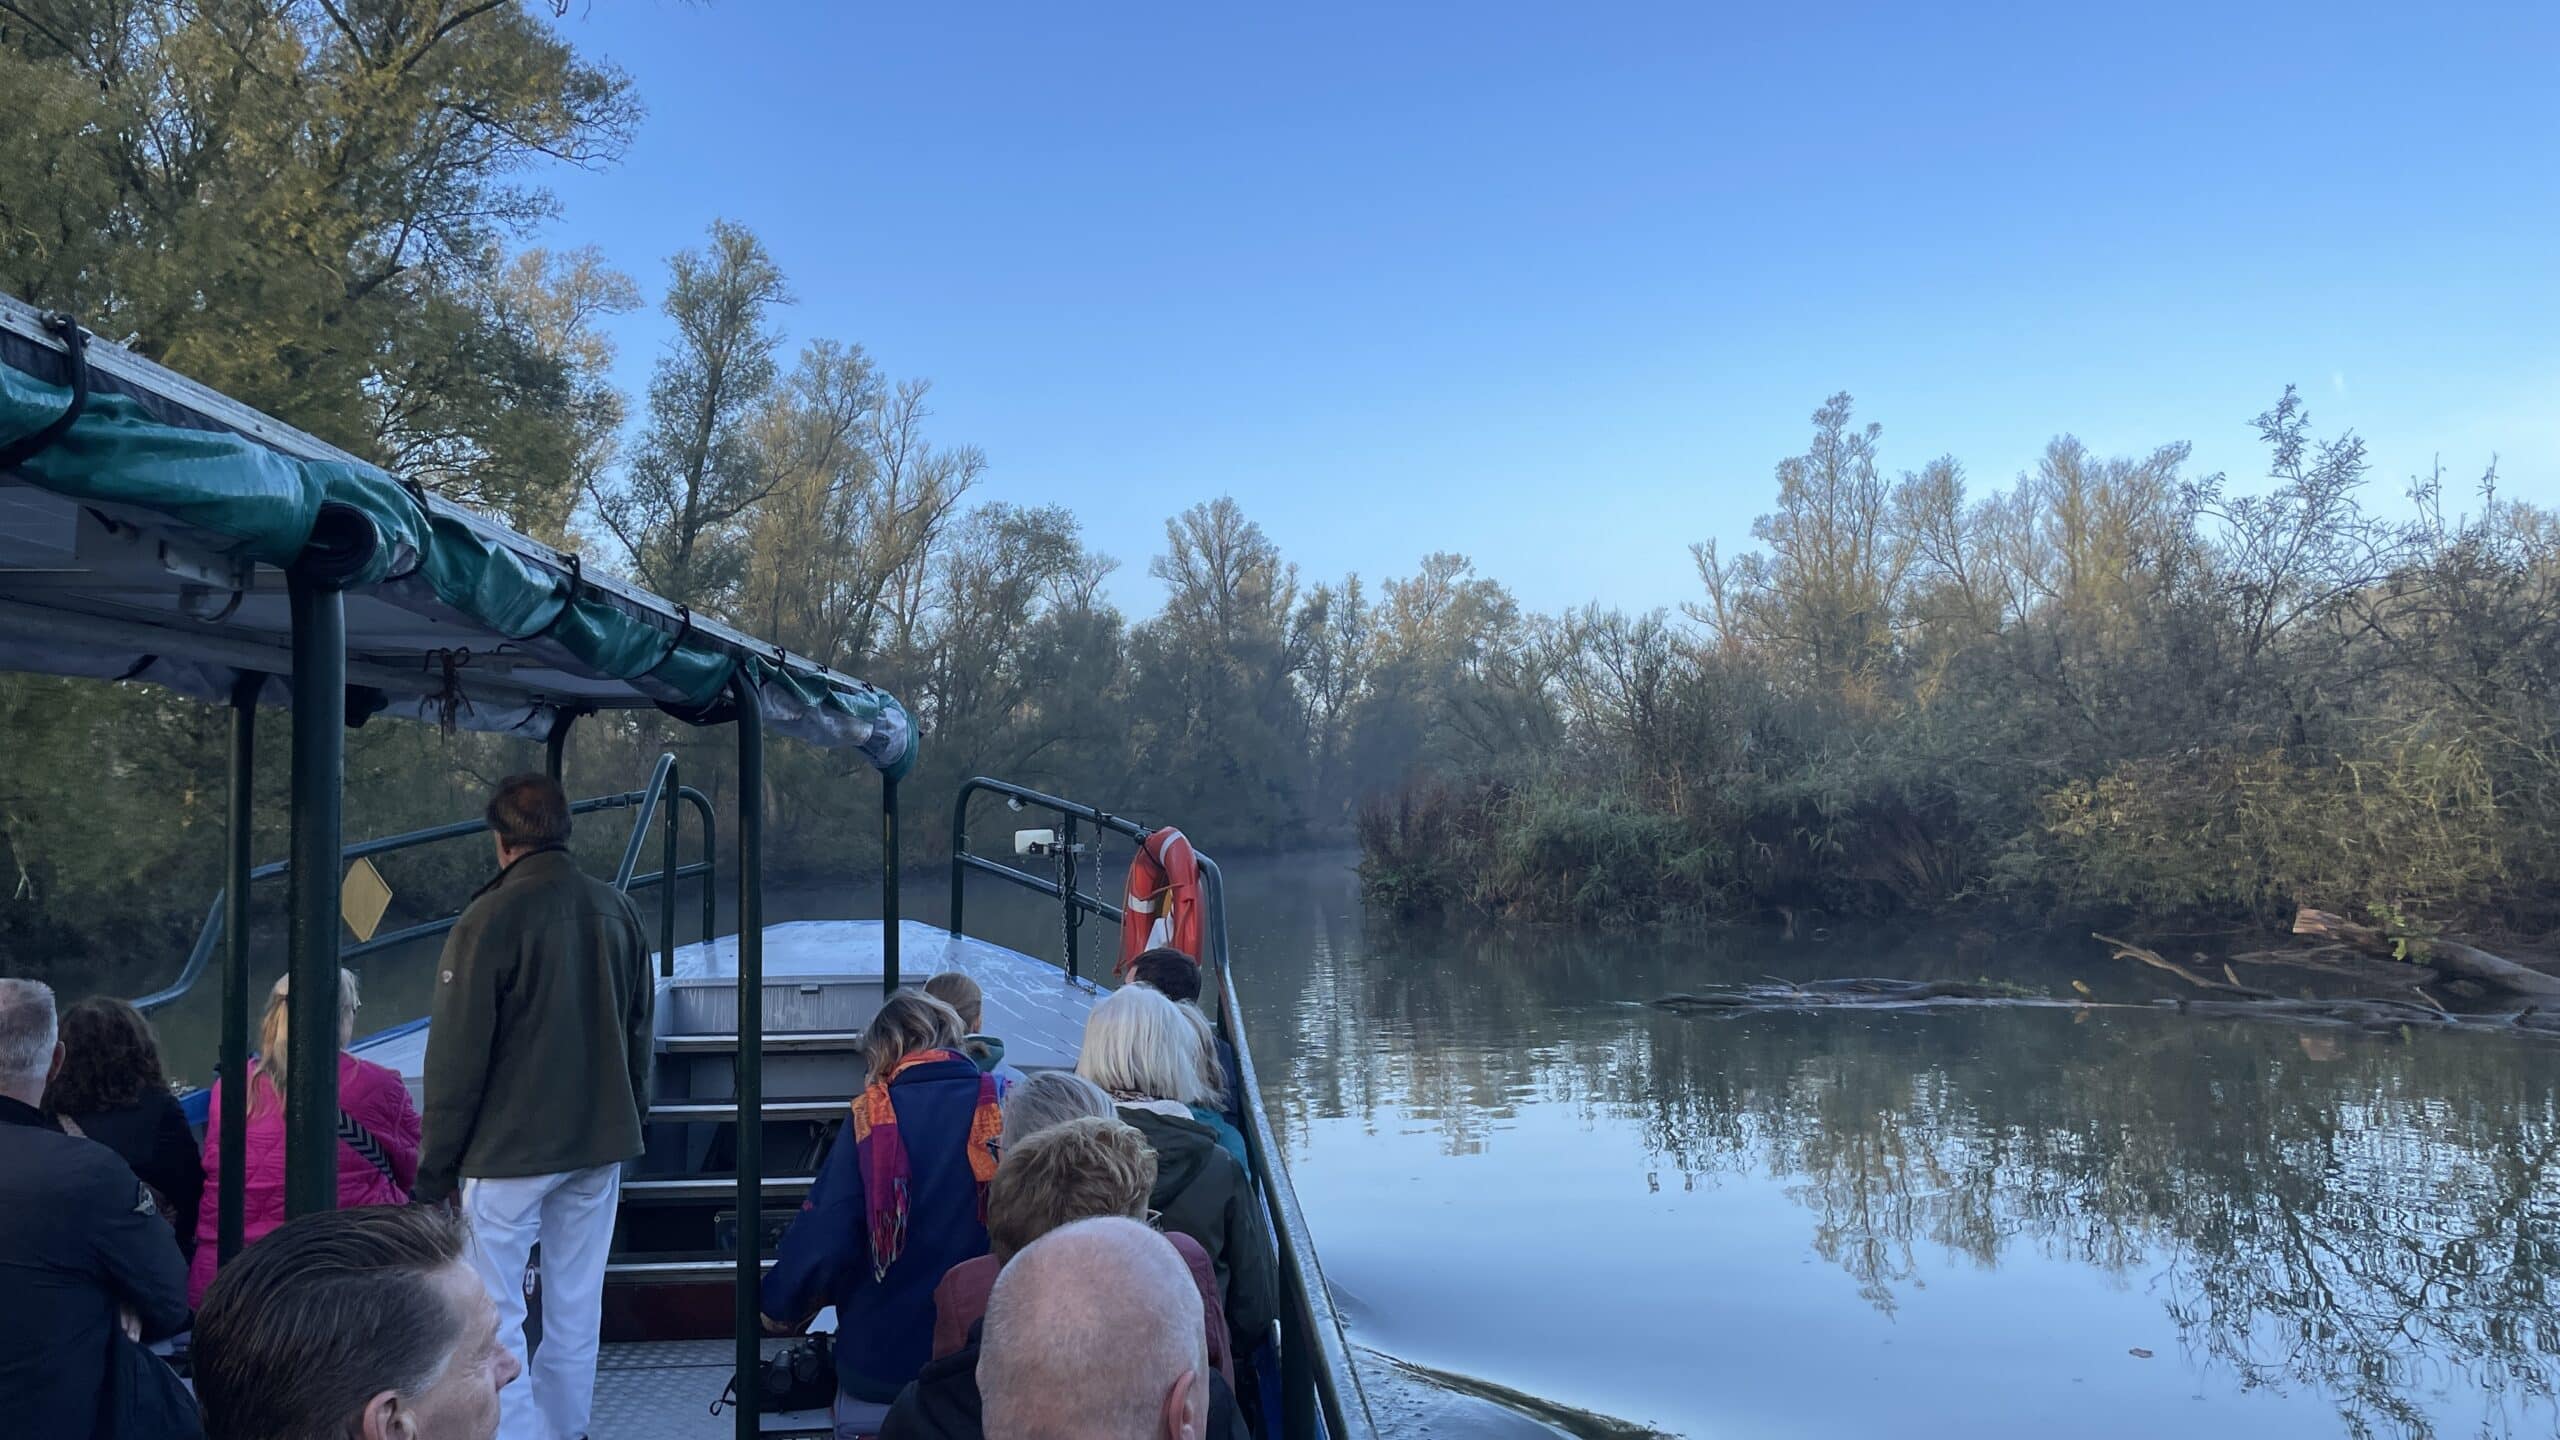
778,1327
130,1322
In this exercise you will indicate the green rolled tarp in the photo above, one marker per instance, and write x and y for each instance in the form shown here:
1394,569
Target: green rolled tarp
233,496
239,497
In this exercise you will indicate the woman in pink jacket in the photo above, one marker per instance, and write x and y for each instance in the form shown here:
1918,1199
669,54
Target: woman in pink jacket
377,1153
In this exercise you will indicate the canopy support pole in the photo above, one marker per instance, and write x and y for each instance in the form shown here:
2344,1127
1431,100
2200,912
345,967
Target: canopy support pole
750,1077
232,1169
673,799
555,746
1070,919
311,901
959,847
888,886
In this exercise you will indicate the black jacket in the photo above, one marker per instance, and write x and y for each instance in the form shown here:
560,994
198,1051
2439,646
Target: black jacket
1234,1071
79,1238
1202,1192
943,1403
152,1136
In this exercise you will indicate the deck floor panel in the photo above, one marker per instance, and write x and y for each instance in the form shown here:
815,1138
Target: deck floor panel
663,1389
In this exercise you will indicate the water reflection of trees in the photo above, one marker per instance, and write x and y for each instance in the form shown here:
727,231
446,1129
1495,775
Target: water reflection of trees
2378,1222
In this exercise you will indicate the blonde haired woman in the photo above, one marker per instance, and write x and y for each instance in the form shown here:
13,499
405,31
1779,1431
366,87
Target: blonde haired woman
377,1134
1146,1056
899,1200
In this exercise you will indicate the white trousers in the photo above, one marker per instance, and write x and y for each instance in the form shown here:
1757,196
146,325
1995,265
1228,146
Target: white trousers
571,1216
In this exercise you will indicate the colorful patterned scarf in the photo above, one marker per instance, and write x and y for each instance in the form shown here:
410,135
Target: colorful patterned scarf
883,1155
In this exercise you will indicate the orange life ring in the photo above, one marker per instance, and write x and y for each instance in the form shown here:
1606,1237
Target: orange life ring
1162,906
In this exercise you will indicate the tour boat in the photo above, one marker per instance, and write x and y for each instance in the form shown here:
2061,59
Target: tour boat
153,531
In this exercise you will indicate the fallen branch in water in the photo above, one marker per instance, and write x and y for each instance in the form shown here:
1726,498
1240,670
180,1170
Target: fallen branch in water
2127,950
2345,964
1867,992
2370,959
2377,1016
2453,957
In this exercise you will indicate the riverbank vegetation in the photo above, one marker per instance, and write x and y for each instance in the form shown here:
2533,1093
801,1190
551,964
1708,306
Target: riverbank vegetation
2112,686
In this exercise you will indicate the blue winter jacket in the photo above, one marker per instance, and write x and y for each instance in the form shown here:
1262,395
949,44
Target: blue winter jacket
884,1327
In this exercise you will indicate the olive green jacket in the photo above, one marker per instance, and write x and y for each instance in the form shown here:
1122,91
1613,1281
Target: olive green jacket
538,1043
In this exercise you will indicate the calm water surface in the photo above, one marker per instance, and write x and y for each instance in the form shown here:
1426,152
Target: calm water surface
1985,1223
1979,1223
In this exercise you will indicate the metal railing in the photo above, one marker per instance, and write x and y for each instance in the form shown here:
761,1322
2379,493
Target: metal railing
646,801
1320,1392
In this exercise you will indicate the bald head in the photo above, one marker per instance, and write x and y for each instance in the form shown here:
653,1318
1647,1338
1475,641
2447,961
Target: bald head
1095,1333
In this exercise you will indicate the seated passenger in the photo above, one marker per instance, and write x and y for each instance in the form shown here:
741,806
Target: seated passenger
1210,1105
1092,1336
1074,1170
896,1204
1177,975
368,1324
1052,1097
1139,1049
957,990
81,1251
377,1134
1081,1169
1171,973
113,1090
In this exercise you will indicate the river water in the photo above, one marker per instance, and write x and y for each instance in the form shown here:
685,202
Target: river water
1981,1223
1985,1223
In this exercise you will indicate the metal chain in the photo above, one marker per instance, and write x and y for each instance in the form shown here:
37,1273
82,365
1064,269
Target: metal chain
1068,918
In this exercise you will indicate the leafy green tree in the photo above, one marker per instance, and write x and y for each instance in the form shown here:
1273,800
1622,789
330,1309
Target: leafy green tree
1212,685
681,509
297,201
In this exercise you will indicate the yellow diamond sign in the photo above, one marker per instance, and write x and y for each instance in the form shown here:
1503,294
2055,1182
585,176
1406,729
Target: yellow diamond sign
362,897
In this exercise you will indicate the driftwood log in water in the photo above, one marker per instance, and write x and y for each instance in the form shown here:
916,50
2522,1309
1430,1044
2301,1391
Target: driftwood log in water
2404,1003
2374,1016
2451,957
1866,992
2381,1015
2229,984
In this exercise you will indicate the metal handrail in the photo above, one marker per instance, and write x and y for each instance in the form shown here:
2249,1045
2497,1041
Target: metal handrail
650,797
1063,889
209,935
1315,1357
1320,1390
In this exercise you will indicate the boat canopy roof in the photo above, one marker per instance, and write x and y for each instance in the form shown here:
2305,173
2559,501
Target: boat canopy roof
147,540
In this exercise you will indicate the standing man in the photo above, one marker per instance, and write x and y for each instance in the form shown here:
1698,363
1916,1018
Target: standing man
82,1247
537,1073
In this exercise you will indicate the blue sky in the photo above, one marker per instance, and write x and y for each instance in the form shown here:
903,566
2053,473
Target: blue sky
1556,286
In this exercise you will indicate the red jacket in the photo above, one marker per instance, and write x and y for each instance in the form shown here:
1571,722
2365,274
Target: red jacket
378,1100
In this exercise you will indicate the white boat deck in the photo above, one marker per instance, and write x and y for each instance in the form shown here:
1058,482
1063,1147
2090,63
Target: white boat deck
1030,1004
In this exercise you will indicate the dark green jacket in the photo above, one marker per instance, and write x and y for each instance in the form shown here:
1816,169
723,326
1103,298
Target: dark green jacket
1202,1192
538,1043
